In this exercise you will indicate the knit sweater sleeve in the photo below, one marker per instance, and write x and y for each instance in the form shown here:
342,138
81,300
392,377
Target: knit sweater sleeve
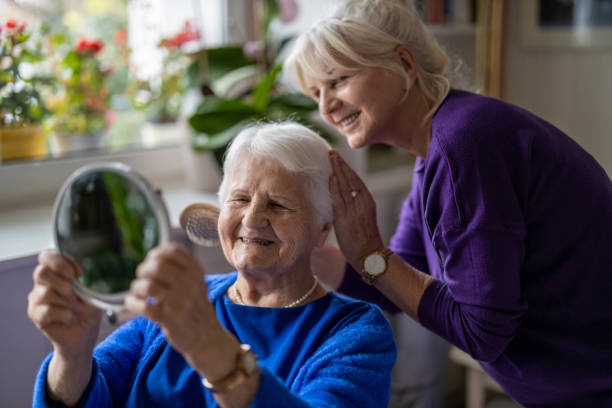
114,361
475,193
351,368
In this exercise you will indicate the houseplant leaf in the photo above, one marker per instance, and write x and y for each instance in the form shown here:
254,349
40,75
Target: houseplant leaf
236,82
222,60
261,93
215,115
289,103
206,142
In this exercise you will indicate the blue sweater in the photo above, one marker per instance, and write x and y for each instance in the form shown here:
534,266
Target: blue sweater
333,352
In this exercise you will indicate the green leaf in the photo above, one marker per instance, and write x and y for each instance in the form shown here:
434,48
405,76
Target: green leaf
215,115
270,12
296,101
72,61
290,107
261,93
214,141
229,81
192,74
225,59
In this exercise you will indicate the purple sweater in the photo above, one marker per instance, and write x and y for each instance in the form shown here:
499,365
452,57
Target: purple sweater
514,220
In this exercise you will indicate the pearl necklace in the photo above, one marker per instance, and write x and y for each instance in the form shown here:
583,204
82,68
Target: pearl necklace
238,297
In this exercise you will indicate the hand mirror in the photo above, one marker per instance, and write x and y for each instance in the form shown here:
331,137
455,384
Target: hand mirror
106,218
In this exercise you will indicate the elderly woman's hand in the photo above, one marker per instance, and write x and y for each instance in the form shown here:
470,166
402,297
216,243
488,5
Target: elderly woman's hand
170,289
70,324
354,213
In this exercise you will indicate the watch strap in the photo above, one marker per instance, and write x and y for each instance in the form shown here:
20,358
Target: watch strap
240,373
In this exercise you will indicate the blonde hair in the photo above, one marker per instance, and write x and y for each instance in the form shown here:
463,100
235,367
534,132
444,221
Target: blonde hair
366,33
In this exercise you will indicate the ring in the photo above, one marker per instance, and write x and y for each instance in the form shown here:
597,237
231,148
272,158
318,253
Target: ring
353,194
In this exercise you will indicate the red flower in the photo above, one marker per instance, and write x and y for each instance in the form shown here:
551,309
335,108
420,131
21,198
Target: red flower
120,36
13,28
84,45
96,46
186,35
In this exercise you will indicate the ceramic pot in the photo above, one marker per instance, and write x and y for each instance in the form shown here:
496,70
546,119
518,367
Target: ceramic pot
24,142
155,134
72,142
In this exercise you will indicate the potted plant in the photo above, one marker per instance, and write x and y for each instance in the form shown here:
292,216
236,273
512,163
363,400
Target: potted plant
22,106
161,97
246,89
81,108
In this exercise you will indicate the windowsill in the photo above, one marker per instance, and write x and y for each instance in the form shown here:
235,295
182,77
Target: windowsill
26,203
29,191
27,229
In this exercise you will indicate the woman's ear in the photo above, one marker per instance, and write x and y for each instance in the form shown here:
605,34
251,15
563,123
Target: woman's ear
324,234
407,60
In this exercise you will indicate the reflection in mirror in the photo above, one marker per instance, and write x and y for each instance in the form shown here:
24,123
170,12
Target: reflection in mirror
106,219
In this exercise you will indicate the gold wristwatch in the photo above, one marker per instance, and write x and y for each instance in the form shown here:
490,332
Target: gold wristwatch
375,264
246,366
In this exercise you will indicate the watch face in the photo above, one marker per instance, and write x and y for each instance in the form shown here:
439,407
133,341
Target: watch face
374,264
249,360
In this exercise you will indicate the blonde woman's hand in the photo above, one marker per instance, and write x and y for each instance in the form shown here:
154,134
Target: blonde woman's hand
65,319
354,213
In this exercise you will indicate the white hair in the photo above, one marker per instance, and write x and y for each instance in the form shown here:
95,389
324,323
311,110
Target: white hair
366,33
296,147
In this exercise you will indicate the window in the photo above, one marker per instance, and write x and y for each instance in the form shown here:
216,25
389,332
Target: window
105,73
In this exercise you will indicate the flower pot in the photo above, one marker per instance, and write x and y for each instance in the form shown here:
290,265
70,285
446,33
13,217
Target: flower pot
71,142
155,134
24,142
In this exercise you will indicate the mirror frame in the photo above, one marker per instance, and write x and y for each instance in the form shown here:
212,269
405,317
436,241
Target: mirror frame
112,302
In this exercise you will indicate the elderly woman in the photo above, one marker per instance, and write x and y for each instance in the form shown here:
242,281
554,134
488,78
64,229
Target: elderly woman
268,335
503,245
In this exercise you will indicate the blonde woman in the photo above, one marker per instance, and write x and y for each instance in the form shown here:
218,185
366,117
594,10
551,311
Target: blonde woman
503,246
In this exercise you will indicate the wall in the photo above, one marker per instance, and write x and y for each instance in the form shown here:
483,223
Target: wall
22,347
568,87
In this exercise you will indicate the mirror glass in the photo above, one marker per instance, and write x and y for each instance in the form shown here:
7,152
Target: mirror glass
106,219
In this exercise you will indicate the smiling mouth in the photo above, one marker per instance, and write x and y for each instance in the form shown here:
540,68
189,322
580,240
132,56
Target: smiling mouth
255,241
349,119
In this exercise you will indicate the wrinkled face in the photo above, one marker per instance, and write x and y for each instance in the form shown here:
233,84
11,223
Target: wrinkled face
365,107
267,223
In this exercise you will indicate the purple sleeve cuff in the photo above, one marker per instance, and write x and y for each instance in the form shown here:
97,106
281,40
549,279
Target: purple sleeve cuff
353,286
426,306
